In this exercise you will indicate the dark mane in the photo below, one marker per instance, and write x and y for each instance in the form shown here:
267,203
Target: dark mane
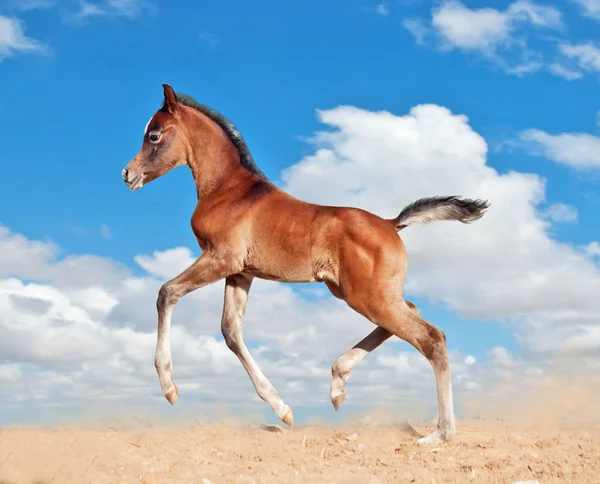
232,132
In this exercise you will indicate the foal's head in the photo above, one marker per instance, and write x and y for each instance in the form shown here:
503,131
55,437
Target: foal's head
184,132
165,144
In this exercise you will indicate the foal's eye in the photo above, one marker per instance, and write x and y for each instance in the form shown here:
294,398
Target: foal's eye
154,137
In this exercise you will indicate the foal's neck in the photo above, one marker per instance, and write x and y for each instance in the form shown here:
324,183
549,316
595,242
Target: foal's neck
213,158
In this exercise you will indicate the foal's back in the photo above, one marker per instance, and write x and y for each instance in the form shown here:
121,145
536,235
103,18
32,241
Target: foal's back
290,240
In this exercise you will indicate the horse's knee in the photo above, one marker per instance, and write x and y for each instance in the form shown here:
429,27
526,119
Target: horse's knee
231,334
166,296
433,345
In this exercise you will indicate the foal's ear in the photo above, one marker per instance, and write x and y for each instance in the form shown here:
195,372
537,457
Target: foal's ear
171,105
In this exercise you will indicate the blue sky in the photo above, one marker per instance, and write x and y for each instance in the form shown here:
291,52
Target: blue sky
76,114
79,80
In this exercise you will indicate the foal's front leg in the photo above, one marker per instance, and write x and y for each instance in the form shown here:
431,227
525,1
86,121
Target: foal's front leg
236,297
208,268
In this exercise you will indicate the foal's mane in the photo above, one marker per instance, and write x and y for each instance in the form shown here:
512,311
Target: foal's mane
230,130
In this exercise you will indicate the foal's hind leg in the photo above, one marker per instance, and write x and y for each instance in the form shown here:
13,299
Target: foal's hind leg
236,297
343,365
399,318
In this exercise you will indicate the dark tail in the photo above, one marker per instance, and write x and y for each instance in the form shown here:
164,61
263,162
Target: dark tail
429,209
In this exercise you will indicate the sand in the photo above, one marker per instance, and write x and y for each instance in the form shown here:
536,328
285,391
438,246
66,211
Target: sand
522,433
483,451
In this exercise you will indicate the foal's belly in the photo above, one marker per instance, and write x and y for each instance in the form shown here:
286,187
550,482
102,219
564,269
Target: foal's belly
292,276
280,260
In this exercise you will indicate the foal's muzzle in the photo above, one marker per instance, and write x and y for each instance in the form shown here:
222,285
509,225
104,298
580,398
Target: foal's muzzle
133,182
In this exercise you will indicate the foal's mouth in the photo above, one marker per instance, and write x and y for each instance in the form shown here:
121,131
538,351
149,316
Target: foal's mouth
136,183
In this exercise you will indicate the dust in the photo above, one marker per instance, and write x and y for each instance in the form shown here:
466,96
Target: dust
558,399
542,430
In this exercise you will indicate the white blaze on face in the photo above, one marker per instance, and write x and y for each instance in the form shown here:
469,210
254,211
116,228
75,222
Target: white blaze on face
147,124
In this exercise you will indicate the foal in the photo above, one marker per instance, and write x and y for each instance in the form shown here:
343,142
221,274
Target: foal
247,227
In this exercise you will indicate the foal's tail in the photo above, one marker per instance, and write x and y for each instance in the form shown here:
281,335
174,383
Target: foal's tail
427,210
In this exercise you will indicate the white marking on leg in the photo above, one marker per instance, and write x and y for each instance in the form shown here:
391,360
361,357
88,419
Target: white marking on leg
236,298
208,268
430,341
163,360
446,426
343,366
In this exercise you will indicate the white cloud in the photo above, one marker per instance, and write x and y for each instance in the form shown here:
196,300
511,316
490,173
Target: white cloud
111,8
167,263
483,29
379,9
13,39
586,55
10,372
86,332
82,328
487,29
382,9
496,34
105,231
417,27
31,4
79,11
526,67
593,248
84,345
591,8
502,356
209,38
504,267
564,72
578,150
561,212
129,8
18,255
539,15
504,36
87,10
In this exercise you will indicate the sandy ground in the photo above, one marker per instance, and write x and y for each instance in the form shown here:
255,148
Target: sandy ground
522,433
483,451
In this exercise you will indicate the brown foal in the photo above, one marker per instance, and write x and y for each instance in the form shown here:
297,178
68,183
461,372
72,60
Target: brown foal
247,227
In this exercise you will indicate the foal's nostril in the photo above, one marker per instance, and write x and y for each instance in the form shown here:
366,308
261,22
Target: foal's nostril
125,174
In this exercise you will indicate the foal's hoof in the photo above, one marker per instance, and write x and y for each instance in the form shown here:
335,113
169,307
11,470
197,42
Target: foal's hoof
338,400
288,418
436,437
172,394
